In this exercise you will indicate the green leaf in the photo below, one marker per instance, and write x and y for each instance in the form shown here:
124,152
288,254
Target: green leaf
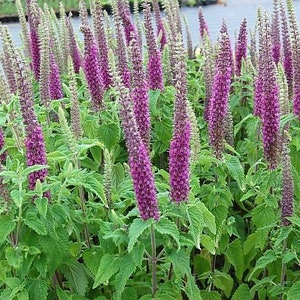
62,295
196,222
167,227
224,282
127,267
109,265
91,260
93,183
14,257
137,254
37,289
34,168
242,292
268,257
181,262
33,222
235,256
208,244
42,206
76,276
137,227
210,295
17,197
6,227
294,291
236,170
109,134
209,218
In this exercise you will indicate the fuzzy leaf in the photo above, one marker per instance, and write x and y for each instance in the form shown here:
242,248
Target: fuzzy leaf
34,222
235,256
42,206
236,170
37,289
109,265
242,292
6,227
136,229
208,244
167,227
127,267
109,134
196,221
137,254
209,218
294,291
76,276
263,261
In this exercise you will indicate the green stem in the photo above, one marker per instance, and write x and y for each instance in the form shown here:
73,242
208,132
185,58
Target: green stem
16,240
82,205
283,267
154,261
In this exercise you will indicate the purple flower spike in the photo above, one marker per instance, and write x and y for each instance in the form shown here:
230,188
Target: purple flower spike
55,89
241,47
2,143
160,28
179,154
203,28
74,50
35,53
275,33
220,94
143,181
35,153
140,93
91,68
179,164
155,72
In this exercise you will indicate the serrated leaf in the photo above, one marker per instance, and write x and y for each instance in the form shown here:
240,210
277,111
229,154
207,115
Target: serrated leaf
42,206
37,289
136,229
34,168
91,260
167,227
127,267
94,184
137,254
109,265
210,295
109,134
224,282
17,197
196,222
76,276
55,248
181,262
209,218
235,256
62,295
268,257
6,227
236,171
33,221
294,291
242,292
208,244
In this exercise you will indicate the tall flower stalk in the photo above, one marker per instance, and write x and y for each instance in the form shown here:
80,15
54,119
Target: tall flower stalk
241,47
218,108
179,155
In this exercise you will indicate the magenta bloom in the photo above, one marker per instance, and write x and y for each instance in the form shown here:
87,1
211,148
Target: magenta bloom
275,34
35,53
55,89
2,143
220,94
143,182
179,163
74,50
160,28
241,47
139,93
91,68
203,27
155,72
